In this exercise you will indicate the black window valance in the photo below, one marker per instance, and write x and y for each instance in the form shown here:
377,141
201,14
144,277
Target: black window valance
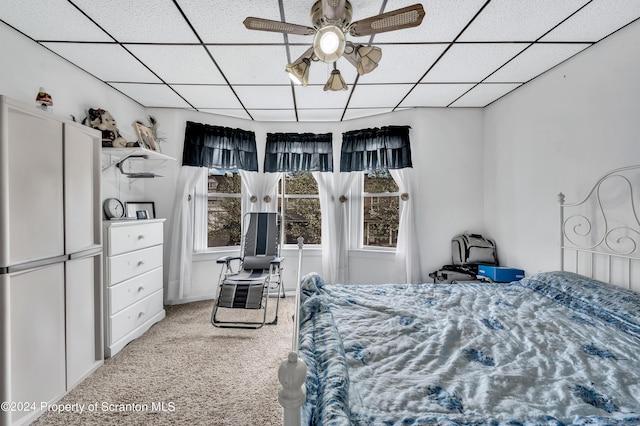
219,147
298,152
377,149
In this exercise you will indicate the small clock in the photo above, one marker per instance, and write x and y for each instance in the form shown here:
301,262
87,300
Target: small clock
113,208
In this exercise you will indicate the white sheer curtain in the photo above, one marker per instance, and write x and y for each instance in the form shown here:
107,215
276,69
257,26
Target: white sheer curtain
261,188
334,188
181,238
407,249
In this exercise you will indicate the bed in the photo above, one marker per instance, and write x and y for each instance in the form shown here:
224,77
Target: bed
555,348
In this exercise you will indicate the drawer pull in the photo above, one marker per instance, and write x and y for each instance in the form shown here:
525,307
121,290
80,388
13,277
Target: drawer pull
141,314
141,237
140,289
140,262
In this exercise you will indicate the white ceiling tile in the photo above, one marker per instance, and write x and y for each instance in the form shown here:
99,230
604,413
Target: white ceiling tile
443,21
237,113
178,64
50,20
165,35
403,63
264,97
152,95
483,94
435,95
534,61
469,63
217,22
510,20
140,21
252,64
375,95
315,97
201,96
273,114
320,114
353,113
596,20
120,65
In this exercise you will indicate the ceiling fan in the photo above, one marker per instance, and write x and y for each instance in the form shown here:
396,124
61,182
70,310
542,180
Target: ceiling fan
331,22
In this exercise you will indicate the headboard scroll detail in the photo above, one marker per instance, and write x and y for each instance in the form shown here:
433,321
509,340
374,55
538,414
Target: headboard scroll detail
603,230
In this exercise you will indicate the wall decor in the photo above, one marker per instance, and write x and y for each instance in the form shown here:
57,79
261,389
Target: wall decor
145,136
133,207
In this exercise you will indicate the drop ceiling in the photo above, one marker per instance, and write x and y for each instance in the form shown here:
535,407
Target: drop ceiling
197,54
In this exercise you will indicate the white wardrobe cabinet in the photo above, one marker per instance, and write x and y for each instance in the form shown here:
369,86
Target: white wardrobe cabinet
50,259
133,280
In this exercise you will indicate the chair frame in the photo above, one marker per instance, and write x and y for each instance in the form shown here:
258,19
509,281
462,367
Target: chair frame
273,281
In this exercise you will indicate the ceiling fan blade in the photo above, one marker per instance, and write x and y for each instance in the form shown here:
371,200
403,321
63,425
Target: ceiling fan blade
407,17
333,9
276,26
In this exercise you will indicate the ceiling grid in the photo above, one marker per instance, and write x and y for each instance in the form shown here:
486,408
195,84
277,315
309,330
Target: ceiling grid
197,54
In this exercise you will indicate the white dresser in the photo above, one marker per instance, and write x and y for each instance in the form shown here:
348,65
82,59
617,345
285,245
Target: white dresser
133,299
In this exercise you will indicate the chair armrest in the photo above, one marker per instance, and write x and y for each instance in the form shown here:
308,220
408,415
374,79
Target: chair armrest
277,261
227,259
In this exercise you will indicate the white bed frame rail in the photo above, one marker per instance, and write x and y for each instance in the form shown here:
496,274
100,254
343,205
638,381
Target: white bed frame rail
600,235
292,372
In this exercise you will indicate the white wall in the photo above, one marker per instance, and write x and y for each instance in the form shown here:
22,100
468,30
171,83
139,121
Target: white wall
559,133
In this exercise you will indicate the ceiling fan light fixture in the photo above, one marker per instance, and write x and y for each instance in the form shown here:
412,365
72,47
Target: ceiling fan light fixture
335,82
329,43
370,56
331,21
298,70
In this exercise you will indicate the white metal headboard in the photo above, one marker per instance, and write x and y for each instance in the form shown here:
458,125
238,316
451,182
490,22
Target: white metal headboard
600,235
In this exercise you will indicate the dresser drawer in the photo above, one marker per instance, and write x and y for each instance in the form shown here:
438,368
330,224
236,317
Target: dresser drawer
123,239
129,265
135,315
128,292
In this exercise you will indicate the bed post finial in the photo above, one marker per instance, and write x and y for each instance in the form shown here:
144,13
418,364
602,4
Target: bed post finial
292,374
561,198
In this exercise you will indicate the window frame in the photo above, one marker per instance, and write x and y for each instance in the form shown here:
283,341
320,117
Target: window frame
208,195
357,215
281,202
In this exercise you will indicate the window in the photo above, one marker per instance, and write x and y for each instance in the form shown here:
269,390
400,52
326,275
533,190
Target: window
224,209
381,211
298,193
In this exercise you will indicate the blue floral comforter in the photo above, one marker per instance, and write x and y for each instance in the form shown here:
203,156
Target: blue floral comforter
552,349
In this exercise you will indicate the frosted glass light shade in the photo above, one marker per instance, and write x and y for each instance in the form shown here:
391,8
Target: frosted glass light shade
335,82
298,70
329,43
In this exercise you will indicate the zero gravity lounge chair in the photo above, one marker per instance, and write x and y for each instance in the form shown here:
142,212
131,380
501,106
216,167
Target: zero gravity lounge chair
259,272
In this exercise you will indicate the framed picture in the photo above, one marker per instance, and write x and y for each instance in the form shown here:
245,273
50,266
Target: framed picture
145,137
141,209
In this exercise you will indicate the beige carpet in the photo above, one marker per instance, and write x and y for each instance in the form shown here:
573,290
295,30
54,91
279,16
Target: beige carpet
184,371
